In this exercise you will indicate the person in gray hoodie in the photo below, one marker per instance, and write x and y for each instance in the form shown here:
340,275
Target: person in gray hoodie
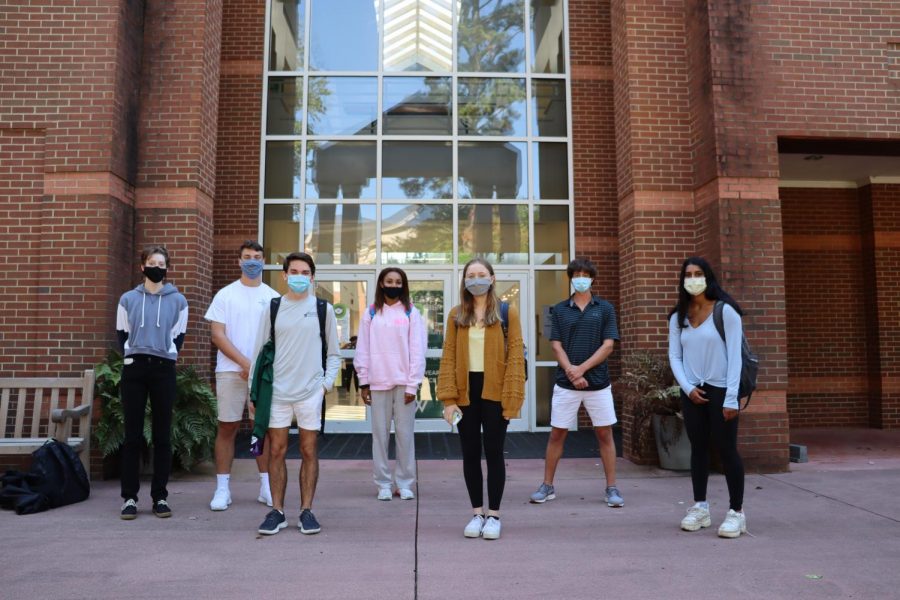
150,323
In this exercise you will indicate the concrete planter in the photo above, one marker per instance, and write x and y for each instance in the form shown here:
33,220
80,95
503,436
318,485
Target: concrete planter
672,443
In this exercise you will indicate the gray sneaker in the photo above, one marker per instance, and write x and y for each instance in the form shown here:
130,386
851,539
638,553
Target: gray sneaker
544,493
613,497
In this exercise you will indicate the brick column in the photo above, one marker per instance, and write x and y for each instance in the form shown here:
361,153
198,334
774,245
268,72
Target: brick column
177,161
880,208
655,173
740,219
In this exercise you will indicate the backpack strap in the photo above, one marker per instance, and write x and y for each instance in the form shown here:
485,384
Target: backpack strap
273,312
504,318
321,310
718,319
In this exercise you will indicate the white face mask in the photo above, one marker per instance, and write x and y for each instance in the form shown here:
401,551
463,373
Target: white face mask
695,285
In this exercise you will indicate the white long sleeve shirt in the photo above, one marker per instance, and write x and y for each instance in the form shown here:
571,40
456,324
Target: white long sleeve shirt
698,355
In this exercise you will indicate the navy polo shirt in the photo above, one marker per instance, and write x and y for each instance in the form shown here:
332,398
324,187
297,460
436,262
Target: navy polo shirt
581,334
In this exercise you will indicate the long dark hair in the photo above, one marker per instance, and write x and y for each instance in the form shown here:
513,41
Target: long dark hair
465,314
713,290
404,289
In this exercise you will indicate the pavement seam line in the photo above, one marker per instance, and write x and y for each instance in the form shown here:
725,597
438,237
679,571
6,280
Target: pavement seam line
416,539
839,501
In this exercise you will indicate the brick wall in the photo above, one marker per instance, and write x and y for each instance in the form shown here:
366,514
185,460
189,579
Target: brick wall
883,241
177,159
236,207
826,320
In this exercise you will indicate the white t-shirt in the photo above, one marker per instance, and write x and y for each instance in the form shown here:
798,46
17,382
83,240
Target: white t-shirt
239,308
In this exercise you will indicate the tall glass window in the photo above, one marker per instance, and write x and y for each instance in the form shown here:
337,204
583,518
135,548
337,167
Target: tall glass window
421,133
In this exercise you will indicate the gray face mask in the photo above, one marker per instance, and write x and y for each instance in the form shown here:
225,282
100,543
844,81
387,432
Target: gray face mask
478,286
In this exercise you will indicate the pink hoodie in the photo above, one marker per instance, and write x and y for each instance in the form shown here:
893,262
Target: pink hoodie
390,349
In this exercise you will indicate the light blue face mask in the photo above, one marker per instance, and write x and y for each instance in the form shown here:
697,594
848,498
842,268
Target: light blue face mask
252,268
478,286
298,283
581,284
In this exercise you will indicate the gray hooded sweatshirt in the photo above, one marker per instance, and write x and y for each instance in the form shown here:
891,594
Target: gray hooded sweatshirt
152,324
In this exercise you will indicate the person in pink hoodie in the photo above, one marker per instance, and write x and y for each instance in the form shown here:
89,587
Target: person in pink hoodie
390,363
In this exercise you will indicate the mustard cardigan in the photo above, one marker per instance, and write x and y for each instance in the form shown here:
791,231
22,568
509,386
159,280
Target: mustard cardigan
504,365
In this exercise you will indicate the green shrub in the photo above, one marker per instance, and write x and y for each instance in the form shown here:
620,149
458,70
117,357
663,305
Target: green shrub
193,415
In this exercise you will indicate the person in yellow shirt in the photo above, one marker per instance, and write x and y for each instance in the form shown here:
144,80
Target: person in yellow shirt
482,378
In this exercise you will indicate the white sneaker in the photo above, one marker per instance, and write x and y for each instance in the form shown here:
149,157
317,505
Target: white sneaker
221,499
473,529
406,494
696,518
265,496
384,494
734,525
491,529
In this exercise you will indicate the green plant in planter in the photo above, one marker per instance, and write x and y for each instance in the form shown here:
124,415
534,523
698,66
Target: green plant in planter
649,387
193,415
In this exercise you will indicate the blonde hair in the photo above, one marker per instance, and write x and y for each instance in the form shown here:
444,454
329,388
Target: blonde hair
465,313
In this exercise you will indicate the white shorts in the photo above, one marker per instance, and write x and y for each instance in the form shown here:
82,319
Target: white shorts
598,403
232,395
308,413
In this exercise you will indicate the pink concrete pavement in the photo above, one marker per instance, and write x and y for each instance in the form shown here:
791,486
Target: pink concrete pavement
818,532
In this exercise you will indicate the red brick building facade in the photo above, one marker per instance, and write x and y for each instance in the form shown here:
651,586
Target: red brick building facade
125,122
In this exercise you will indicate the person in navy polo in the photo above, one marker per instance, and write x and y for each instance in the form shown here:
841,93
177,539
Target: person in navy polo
583,336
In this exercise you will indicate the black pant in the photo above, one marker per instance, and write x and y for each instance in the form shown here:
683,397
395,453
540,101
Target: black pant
487,415
704,422
147,375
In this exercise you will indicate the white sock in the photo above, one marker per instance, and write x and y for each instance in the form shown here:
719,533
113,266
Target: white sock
222,481
703,505
264,484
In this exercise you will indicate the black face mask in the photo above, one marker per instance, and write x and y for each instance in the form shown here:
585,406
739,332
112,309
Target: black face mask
392,292
155,274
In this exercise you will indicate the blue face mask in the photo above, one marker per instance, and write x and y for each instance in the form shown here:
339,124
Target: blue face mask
298,283
252,268
581,284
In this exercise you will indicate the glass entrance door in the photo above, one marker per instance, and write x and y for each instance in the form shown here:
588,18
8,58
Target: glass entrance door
349,293
432,294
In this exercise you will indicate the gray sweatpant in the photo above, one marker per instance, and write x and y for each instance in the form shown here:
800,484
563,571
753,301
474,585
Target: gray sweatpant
387,405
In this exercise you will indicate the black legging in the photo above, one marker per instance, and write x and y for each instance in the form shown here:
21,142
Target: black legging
487,415
704,422
147,375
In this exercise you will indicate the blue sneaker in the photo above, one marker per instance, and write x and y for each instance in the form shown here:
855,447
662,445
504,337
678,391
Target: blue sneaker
274,523
308,524
613,497
544,493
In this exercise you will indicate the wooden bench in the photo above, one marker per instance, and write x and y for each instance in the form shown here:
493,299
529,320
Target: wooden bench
28,418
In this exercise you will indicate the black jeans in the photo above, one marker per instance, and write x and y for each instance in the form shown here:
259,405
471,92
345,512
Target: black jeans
486,415
705,422
147,375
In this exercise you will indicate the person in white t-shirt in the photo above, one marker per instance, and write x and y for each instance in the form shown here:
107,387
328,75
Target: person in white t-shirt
234,319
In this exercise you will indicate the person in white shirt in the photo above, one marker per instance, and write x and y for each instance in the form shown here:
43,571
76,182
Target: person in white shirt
299,386
234,318
708,370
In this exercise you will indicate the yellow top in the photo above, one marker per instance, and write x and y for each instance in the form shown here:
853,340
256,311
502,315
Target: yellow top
476,349
504,378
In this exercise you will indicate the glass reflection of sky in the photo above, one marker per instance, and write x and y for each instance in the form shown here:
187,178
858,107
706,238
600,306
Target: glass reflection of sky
344,35
343,106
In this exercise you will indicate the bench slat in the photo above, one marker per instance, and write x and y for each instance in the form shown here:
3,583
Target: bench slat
44,382
54,400
29,445
36,412
4,411
20,413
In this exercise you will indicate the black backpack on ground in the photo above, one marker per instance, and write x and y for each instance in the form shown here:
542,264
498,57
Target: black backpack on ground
749,360
56,478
